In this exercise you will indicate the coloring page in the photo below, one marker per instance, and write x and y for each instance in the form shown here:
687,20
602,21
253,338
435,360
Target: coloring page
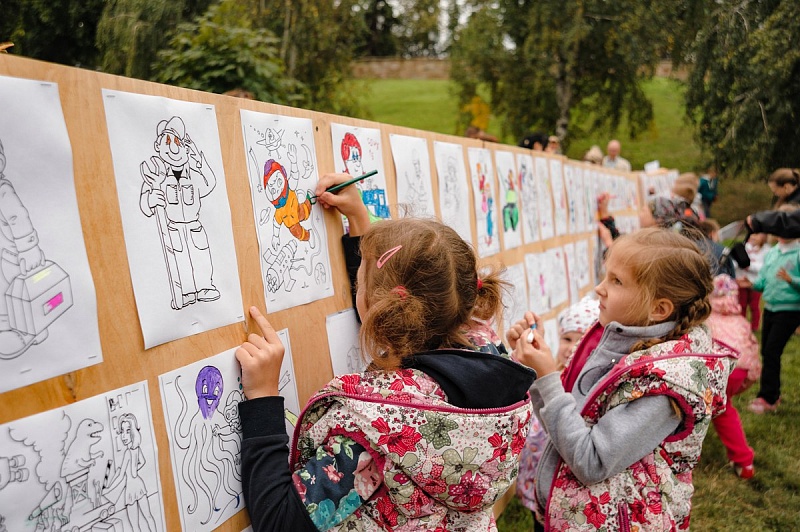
412,165
582,263
292,239
510,210
547,279
89,466
287,385
480,167
453,187
48,307
175,214
573,181
572,211
343,342
542,173
515,301
530,200
551,335
559,198
538,289
556,276
572,277
356,151
590,193
205,438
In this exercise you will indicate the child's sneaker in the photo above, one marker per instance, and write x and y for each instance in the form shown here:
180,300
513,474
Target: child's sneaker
744,472
760,405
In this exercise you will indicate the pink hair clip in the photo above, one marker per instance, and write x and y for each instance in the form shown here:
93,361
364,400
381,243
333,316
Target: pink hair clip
387,255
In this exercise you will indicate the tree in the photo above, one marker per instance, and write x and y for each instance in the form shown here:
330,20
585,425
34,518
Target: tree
60,31
418,27
131,32
379,38
546,61
318,40
220,51
744,89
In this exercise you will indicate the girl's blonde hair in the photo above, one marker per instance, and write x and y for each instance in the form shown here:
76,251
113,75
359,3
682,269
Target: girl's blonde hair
422,296
666,264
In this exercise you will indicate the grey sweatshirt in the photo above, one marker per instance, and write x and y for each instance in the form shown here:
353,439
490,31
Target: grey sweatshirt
623,436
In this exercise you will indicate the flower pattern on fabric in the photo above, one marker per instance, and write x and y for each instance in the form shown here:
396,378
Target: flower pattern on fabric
655,492
417,462
529,459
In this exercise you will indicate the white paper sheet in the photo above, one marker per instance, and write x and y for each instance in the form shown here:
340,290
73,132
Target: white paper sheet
343,342
287,385
205,438
177,230
510,211
590,194
572,269
556,276
453,187
282,165
515,302
582,263
48,308
91,465
483,192
530,200
542,172
538,289
559,198
412,165
356,151
551,336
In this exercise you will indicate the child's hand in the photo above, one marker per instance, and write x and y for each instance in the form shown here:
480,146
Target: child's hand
783,274
522,328
744,282
536,355
261,358
347,201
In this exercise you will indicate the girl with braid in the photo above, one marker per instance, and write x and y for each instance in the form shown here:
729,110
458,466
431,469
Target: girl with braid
627,417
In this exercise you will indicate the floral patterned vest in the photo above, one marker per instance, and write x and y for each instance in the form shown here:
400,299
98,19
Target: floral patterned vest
443,467
655,492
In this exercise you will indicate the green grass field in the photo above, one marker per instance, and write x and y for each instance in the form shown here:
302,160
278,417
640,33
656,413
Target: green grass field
432,105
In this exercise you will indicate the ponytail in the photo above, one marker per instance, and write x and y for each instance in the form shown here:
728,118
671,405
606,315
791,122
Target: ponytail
489,297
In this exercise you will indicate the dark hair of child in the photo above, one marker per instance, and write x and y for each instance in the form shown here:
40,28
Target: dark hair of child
424,295
666,264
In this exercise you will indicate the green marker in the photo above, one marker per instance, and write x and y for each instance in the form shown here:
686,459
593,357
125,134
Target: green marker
336,188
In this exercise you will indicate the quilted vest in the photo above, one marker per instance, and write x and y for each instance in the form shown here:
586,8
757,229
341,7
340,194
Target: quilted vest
655,492
443,466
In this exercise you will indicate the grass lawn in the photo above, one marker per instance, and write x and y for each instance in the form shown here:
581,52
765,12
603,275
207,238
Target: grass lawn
723,502
432,105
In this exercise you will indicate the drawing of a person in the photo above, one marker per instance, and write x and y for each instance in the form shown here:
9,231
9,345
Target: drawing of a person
280,191
127,478
351,155
451,203
372,196
20,255
174,185
486,203
511,209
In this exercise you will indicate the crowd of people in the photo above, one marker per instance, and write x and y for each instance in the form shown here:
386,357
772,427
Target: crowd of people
604,424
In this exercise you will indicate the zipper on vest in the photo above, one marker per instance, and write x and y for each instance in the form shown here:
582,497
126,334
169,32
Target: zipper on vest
623,519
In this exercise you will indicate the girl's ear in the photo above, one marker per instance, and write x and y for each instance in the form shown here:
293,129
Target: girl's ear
661,310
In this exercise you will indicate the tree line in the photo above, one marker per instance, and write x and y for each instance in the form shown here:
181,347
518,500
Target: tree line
539,65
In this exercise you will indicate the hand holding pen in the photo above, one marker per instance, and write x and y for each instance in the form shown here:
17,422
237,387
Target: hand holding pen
336,191
526,339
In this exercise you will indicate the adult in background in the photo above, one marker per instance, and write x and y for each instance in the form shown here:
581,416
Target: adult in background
594,155
613,159
534,141
785,185
553,145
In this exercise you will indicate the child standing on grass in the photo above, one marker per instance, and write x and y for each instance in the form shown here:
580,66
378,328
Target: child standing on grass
729,326
573,322
428,437
779,282
756,247
627,418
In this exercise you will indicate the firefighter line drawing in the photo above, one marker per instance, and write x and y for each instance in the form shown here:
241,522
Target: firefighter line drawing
290,228
174,182
413,170
94,477
34,292
453,187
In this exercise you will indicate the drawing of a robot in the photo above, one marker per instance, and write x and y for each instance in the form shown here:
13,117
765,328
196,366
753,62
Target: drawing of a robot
34,292
174,182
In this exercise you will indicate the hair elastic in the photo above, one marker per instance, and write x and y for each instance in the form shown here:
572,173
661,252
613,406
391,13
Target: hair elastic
387,255
400,291
480,283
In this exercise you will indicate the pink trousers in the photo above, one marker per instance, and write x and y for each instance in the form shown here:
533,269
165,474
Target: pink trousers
729,426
